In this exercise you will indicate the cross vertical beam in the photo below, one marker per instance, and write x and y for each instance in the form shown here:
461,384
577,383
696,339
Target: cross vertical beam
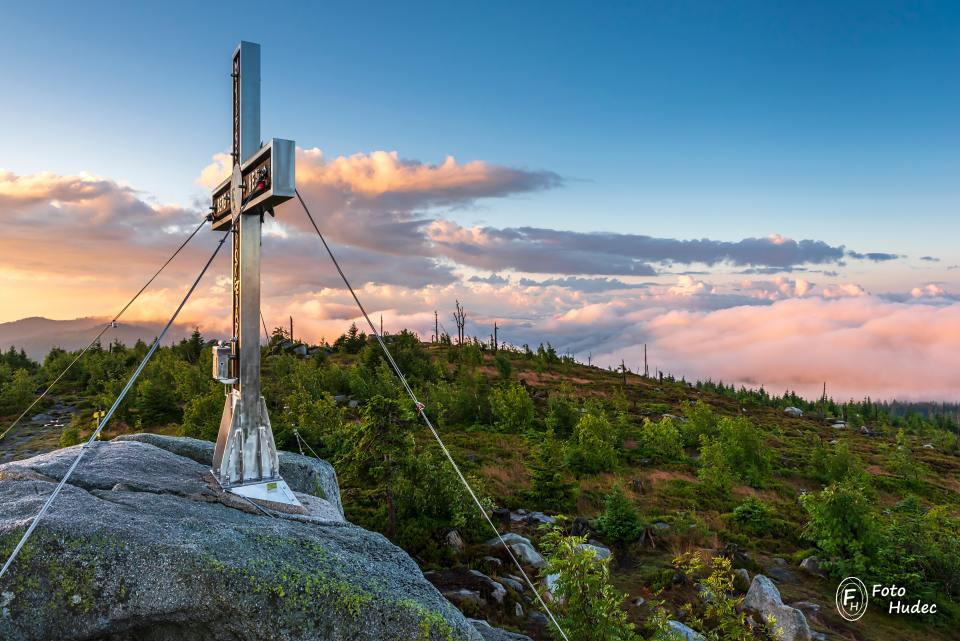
245,458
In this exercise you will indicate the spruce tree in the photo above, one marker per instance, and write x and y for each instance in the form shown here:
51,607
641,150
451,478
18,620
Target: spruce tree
549,487
382,450
619,522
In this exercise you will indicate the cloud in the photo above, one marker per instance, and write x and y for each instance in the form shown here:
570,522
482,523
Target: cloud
843,290
581,284
377,200
383,180
930,259
541,250
858,346
930,290
492,279
777,288
389,221
877,257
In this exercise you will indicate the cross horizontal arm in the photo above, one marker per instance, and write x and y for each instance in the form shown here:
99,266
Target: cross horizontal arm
268,178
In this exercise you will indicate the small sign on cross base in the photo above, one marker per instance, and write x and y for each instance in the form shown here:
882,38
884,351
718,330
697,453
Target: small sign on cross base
245,460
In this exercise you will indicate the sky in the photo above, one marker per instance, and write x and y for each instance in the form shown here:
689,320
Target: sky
763,193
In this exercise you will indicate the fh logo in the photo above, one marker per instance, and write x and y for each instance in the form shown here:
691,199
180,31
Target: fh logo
852,598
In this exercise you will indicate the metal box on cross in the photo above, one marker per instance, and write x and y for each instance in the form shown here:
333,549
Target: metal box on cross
245,460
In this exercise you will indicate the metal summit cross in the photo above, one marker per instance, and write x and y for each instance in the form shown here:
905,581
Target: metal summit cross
245,460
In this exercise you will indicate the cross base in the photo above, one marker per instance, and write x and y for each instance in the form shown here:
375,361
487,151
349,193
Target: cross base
275,494
245,459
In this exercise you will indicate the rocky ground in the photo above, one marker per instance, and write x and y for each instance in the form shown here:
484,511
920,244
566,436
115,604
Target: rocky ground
38,433
142,544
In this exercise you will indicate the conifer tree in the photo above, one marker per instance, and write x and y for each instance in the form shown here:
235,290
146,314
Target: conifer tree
382,450
619,522
549,487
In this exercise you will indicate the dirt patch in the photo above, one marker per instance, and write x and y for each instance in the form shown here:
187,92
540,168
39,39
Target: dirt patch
657,476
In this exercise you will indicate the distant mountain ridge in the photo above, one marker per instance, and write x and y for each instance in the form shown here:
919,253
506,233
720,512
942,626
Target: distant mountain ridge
38,335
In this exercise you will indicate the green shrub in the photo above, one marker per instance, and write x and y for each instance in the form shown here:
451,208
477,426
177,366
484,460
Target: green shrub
156,404
317,418
717,615
562,412
619,523
903,464
503,365
17,392
593,451
736,453
701,421
587,605
753,516
919,549
69,436
843,523
660,441
202,414
836,463
512,408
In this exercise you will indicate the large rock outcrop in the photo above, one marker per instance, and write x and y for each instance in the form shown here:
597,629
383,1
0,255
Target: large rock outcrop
142,544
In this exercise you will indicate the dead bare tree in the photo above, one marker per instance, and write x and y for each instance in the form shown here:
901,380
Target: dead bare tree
460,318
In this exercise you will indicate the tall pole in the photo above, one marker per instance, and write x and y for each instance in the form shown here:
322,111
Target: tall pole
246,287
291,329
436,327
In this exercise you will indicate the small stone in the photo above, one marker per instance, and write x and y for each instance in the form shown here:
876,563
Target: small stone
681,631
502,514
599,552
779,574
539,518
490,633
807,607
463,597
518,610
513,583
454,541
741,580
812,565
76,600
521,548
639,601
538,618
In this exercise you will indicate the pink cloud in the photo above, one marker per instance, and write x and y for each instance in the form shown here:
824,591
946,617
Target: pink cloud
858,345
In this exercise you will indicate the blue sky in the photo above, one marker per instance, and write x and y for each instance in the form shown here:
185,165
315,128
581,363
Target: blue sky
679,119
